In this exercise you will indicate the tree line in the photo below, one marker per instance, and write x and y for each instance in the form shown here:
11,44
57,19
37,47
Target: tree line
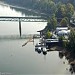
46,6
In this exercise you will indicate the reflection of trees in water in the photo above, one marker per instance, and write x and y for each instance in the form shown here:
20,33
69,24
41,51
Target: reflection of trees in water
40,51
72,68
61,54
70,58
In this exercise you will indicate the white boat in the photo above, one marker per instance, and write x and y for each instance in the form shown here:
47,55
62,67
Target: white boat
38,47
44,50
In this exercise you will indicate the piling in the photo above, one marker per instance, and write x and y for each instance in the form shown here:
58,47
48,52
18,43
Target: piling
20,27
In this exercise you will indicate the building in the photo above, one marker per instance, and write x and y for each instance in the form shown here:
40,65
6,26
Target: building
60,28
62,31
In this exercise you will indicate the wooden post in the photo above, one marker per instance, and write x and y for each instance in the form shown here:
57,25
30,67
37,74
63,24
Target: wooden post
20,27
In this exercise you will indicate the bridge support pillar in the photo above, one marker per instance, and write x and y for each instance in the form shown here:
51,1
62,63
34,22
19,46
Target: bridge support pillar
20,27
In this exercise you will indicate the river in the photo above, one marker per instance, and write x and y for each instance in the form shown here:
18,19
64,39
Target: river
18,60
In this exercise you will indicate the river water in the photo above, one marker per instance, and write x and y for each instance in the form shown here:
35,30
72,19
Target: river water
18,60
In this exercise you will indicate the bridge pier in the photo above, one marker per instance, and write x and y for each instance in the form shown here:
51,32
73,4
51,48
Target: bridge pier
20,27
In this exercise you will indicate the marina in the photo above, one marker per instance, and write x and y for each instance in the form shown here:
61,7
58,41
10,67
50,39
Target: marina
31,53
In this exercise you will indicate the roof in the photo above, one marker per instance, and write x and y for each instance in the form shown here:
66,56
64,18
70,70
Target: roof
62,28
64,32
40,30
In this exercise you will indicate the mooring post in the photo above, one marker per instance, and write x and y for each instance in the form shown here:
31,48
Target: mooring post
20,27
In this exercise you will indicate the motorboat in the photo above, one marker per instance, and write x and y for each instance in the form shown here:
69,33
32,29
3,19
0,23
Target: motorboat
38,48
44,50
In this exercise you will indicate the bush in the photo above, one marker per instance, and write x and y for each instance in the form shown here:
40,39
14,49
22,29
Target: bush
48,34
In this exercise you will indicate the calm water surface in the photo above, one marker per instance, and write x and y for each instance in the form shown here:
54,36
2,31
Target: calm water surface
24,60
15,59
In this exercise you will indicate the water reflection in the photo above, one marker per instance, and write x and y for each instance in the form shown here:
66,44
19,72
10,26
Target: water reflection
70,60
39,51
61,55
72,69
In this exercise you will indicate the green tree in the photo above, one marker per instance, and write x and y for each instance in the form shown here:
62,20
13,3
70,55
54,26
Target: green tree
64,22
48,34
61,10
70,10
48,27
64,10
71,44
53,22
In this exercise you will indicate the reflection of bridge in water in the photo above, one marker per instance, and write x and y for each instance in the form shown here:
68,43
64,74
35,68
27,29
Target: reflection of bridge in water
23,19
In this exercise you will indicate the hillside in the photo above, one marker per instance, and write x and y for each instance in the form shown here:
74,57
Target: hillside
57,7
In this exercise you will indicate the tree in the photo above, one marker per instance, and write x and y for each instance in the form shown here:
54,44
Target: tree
61,10
48,34
49,25
71,44
64,10
53,22
70,10
64,22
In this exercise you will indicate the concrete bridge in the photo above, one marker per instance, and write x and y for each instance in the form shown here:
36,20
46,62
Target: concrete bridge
23,19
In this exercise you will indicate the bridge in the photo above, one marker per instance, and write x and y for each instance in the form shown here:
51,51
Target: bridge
23,19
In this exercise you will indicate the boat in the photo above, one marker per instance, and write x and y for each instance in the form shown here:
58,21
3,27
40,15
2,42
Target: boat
38,48
44,50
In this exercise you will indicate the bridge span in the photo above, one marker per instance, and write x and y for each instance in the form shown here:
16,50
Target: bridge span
23,19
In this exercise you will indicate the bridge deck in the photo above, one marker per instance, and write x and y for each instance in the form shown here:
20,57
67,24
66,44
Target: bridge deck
24,19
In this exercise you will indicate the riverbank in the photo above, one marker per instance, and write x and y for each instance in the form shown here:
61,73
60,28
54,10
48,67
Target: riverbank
69,55
66,46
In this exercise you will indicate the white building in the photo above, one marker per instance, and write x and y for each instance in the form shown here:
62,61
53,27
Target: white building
62,31
60,28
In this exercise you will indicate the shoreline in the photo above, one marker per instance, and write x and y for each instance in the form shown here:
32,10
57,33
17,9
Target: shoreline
69,56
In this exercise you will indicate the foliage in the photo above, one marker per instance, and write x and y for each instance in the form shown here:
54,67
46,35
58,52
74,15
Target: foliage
70,10
64,22
64,41
71,44
52,23
61,38
47,6
61,11
48,34
60,8
67,19
65,10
